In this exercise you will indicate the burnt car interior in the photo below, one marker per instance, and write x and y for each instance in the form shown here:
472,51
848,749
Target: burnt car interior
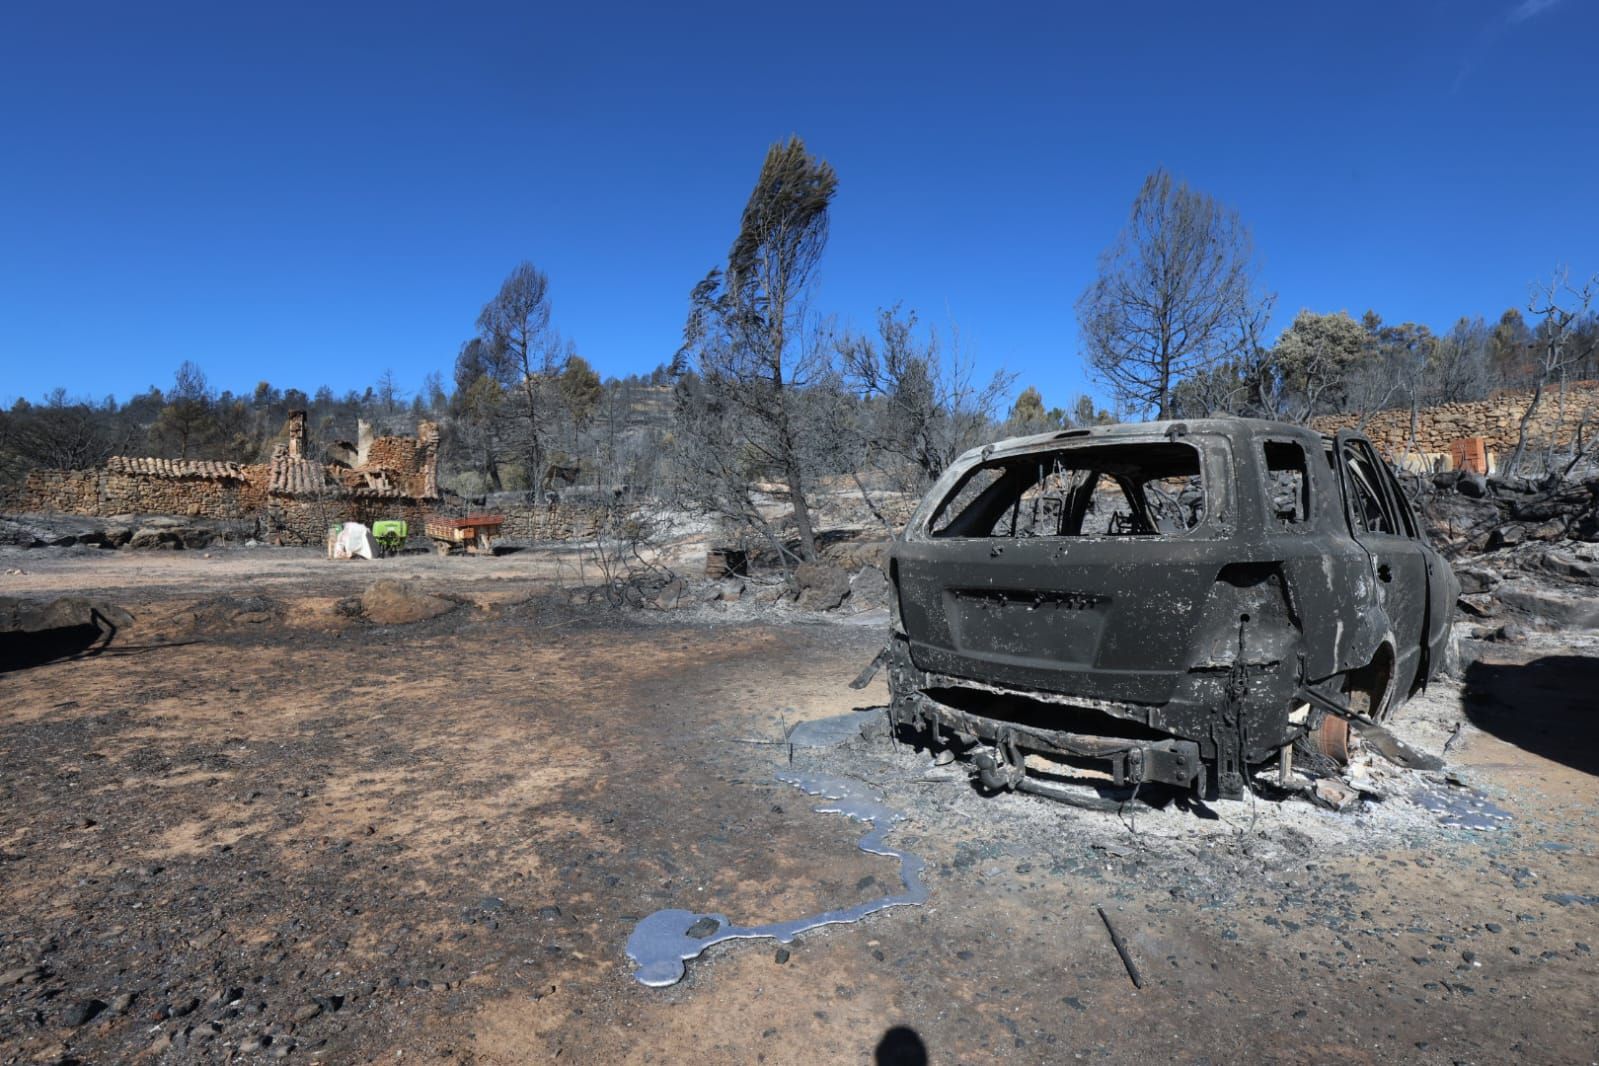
1287,486
1138,489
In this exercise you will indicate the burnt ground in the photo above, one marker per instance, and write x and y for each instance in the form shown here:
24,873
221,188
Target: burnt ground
253,826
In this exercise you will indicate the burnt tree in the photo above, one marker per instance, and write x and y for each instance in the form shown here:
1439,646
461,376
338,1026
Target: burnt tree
1169,295
745,322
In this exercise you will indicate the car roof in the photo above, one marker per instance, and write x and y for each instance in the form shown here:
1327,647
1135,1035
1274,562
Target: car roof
1174,429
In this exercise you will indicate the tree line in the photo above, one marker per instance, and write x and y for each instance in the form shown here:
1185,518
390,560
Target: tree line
767,393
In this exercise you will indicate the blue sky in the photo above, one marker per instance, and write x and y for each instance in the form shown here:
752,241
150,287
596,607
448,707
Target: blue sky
313,194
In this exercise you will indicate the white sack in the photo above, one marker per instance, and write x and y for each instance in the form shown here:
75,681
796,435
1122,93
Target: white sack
355,540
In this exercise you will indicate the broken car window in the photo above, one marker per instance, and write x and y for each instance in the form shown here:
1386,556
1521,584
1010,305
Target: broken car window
1287,487
1140,489
1370,509
970,489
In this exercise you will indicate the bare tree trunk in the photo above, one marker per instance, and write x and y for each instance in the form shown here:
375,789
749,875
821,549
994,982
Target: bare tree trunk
802,510
855,475
1521,431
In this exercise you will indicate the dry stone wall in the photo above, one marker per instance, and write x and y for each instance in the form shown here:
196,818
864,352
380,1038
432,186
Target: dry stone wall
564,521
61,491
289,519
1497,419
100,492
306,521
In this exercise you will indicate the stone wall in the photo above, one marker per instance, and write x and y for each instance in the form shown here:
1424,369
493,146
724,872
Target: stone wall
295,520
100,492
564,521
60,491
1496,419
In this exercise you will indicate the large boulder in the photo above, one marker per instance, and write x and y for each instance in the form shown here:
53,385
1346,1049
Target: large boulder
821,587
152,538
1474,579
868,588
1568,564
32,632
391,602
1549,606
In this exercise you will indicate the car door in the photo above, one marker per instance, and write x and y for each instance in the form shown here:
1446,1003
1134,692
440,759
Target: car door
1443,589
1381,521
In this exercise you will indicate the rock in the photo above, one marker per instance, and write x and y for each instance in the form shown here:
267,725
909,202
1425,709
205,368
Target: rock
727,590
767,595
306,1013
120,1004
1550,605
868,587
1567,564
1510,633
703,928
81,1012
1333,794
18,534
251,618
205,939
150,539
821,587
1473,485
1506,537
782,956
669,594
394,603
1474,579
22,975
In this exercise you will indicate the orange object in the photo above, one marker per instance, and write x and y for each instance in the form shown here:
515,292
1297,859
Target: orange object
1470,453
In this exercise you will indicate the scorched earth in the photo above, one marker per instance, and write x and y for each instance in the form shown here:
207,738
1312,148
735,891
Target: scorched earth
260,826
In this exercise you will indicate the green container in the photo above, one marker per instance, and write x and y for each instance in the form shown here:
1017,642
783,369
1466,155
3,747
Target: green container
390,530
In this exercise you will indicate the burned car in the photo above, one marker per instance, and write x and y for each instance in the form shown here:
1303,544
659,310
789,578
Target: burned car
1169,602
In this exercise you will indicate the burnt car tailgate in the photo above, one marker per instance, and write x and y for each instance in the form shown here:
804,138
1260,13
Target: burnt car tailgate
1106,618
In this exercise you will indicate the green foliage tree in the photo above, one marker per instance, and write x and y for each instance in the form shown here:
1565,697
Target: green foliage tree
1315,359
581,391
188,421
1029,415
1510,349
521,353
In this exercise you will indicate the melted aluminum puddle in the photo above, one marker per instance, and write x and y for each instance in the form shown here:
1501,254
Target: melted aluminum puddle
661,943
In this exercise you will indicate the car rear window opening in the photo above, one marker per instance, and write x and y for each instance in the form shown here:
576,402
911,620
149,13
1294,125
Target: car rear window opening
1151,488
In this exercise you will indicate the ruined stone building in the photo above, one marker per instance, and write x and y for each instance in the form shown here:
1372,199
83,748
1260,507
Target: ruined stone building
293,497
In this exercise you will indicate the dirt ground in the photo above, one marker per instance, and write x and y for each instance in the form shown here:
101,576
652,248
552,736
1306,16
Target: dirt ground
253,827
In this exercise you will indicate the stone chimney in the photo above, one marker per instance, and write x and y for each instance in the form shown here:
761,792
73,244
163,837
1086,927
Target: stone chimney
296,431
363,442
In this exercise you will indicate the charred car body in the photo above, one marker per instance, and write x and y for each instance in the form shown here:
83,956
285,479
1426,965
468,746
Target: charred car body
1168,602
